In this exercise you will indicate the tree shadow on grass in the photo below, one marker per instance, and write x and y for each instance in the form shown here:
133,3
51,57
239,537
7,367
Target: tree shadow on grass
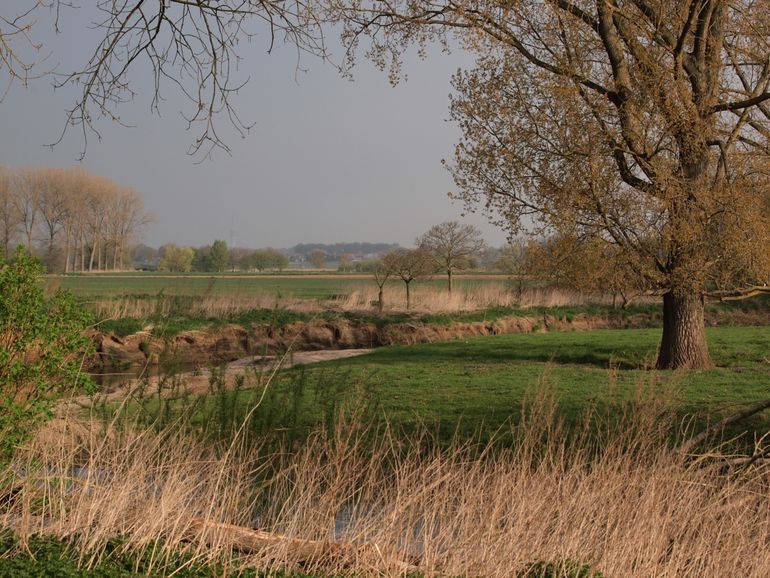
499,350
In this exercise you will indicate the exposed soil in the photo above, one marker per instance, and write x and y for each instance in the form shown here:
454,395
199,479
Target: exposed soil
224,344
215,346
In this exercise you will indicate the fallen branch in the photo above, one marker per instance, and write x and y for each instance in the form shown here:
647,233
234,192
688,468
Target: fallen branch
249,540
720,425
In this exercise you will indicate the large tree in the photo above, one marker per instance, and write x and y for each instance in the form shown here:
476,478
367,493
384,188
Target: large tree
642,124
452,245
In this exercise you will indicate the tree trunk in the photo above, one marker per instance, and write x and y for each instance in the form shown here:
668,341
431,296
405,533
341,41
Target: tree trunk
449,280
684,343
380,301
67,247
408,297
93,256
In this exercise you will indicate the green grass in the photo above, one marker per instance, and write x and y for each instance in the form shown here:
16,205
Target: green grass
480,383
107,287
103,286
48,557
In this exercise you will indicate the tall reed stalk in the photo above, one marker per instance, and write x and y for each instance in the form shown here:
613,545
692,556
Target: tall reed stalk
612,496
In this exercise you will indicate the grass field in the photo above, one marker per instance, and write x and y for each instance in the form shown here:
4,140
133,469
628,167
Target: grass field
306,286
144,295
480,383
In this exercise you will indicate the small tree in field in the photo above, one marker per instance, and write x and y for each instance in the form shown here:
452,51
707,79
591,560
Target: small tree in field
318,259
452,245
278,261
409,265
260,260
238,257
177,259
219,256
511,262
263,259
381,272
346,265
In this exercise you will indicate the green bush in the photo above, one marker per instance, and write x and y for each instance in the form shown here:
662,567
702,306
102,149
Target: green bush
42,349
121,327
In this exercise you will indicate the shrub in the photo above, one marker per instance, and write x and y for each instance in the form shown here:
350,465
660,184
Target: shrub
42,347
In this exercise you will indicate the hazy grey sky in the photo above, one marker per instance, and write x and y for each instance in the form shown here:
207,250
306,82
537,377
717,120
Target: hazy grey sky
327,159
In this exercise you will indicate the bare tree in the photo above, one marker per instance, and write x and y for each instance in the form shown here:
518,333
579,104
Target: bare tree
641,123
127,218
53,208
409,265
74,222
452,246
381,272
26,197
9,218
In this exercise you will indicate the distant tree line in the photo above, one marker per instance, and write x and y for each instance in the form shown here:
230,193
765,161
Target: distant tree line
337,251
214,258
72,219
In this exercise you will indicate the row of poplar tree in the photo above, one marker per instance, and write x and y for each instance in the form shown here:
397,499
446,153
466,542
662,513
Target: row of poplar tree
71,219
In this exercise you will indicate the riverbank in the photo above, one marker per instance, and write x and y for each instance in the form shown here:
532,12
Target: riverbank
197,342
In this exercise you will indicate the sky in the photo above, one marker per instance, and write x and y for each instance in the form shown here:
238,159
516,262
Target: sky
327,159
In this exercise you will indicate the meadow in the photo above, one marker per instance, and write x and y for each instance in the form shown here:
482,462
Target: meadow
475,387
320,285
199,284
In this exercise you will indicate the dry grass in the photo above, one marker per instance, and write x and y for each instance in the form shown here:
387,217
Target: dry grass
623,503
426,298
433,299
208,306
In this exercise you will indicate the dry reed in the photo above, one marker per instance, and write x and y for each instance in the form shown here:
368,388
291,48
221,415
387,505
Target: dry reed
433,299
426,298
208,306
620,500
